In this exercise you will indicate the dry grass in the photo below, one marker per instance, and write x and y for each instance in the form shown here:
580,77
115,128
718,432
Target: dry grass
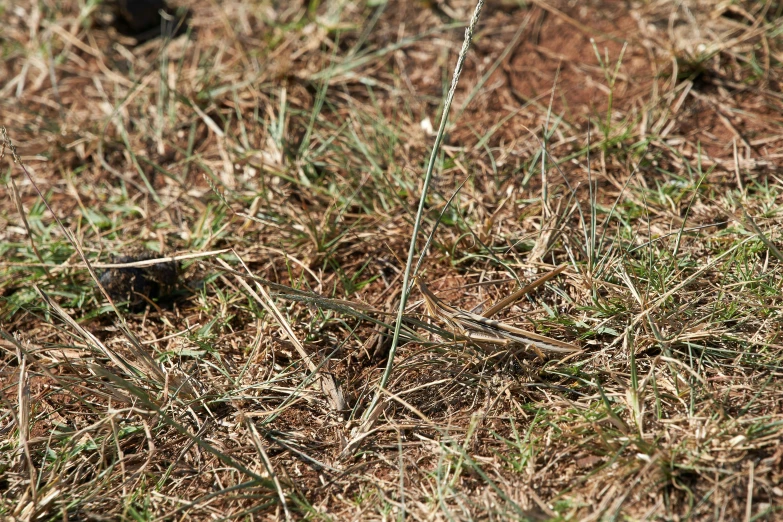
278,154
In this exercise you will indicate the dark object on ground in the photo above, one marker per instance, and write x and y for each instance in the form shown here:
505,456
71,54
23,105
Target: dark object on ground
148,19
136,285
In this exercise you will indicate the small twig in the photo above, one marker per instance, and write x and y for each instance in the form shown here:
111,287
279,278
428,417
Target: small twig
268,465
503,303
170,259
19,207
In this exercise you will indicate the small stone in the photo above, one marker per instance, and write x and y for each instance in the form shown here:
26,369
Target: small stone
141,15
134,284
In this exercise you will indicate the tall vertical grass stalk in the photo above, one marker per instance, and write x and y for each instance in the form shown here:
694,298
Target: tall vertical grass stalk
417,223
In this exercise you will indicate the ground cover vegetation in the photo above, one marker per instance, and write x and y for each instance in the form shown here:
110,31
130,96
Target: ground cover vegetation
205,235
